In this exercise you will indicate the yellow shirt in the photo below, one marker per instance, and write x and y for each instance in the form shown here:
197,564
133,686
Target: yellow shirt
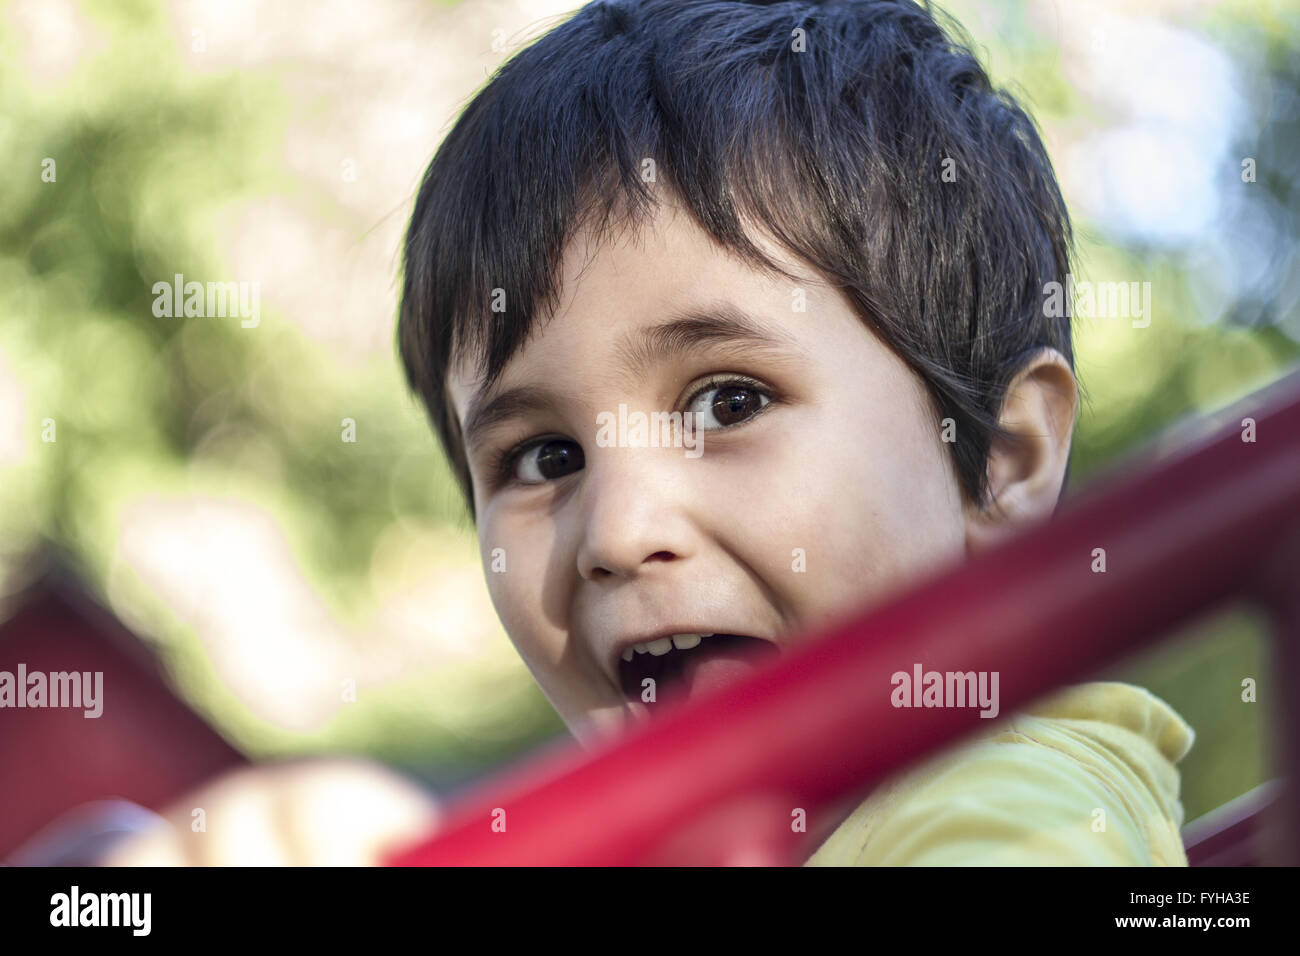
1083,778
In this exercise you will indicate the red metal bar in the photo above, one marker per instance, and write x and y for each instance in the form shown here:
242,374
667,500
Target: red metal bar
1278,588
1235,834
1181,535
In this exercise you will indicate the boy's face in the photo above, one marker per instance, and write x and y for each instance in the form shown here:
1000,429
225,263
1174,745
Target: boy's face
828,487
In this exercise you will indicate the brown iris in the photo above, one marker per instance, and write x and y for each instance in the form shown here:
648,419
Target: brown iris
555,459
735,403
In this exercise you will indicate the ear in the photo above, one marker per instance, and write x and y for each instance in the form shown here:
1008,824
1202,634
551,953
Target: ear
1025,471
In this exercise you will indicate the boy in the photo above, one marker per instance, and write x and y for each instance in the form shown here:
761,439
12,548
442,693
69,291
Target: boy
816,235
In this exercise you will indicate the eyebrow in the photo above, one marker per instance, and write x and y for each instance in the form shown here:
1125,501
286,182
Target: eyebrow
722,323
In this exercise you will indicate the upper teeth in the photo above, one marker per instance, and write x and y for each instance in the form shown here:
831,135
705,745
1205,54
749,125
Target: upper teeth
662,646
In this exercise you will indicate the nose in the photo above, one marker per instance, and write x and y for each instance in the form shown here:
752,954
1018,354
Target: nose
634,512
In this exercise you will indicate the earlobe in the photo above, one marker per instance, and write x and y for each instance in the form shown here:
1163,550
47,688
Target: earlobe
1026,468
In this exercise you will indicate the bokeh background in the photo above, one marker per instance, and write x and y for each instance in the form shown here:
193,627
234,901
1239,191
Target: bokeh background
199,483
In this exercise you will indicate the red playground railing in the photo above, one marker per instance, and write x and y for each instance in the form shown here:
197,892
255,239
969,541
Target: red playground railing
714,781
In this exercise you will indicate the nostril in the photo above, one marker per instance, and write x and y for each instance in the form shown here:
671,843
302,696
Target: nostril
661,556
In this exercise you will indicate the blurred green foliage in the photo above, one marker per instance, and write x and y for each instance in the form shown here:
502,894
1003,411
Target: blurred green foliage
150,153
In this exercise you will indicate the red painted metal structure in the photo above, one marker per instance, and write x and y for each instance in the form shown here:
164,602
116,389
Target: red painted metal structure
108,771
715,780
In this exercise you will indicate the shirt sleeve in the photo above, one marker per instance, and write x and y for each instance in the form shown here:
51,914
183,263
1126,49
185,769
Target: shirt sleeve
1085,778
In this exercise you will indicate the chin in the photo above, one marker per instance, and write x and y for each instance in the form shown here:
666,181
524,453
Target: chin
594,727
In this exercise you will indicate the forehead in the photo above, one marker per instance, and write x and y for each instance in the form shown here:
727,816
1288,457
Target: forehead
634,281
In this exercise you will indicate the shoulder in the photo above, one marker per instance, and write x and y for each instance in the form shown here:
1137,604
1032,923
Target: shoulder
1120,712
1086,777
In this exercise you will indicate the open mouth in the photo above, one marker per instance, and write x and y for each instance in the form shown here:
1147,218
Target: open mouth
689,664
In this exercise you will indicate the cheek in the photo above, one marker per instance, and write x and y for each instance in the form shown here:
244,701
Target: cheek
511,565
800,510
540,647
869,502
901,517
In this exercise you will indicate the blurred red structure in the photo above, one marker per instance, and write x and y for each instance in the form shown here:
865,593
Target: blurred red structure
714,780
146,747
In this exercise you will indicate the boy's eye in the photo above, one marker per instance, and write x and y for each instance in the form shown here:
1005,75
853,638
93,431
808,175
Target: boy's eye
550,459
722,405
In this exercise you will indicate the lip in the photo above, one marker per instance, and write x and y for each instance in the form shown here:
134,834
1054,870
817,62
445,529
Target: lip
623,643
